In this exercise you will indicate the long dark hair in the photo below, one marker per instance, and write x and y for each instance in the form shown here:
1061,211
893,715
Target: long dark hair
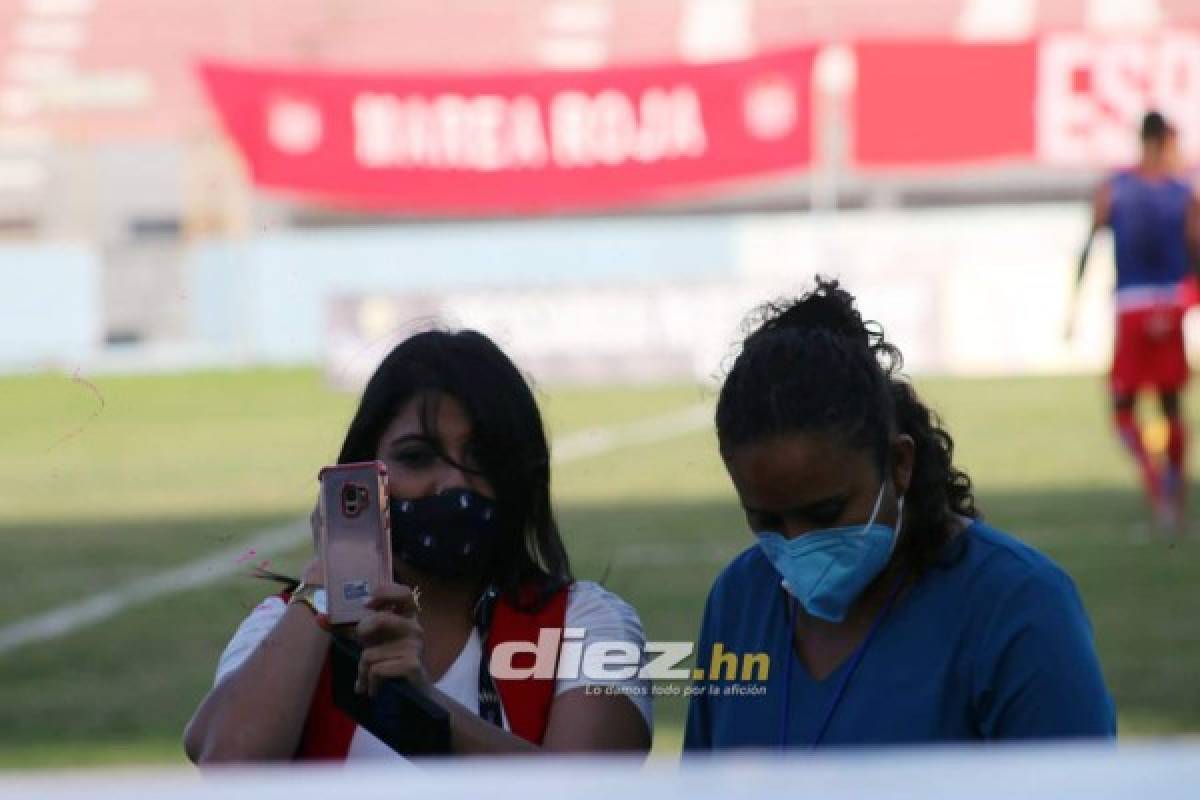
812,364
507,438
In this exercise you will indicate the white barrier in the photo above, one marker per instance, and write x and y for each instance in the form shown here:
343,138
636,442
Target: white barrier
1054,772
50,305
962,291
979,290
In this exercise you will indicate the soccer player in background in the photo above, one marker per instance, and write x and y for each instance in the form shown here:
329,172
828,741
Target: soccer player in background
1155,221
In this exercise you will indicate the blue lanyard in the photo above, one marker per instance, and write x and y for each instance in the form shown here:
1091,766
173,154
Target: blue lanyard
842,684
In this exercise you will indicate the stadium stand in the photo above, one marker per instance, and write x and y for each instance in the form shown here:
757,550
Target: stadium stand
100,70
87,86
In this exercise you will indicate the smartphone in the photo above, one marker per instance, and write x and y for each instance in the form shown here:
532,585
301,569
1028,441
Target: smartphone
356,545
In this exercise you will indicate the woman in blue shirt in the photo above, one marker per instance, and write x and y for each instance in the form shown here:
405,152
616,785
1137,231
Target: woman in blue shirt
890,613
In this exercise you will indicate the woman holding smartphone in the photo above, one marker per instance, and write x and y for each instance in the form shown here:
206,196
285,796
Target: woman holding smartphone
890,611
477,555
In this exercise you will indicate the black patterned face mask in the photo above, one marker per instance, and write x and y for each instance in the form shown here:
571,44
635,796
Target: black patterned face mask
449,535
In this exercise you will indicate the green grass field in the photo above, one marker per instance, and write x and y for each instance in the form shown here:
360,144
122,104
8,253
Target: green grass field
177,467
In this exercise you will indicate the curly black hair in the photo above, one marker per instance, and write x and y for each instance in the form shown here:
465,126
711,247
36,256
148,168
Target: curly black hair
812,364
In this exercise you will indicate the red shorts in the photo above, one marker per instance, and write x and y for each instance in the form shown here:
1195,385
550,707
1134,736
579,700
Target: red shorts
1149,352
1189,291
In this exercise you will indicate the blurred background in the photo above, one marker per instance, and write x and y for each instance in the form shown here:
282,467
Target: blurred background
216,216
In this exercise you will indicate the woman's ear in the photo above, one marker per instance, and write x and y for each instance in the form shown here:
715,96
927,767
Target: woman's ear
903,456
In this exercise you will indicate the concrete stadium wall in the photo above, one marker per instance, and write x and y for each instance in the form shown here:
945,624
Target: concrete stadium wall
961,291
973,290
266,298
981,290
50,306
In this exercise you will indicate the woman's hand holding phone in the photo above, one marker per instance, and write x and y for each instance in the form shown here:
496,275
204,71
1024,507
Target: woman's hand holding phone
392,640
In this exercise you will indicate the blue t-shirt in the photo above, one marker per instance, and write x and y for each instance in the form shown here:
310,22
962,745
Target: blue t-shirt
992,643
1149,225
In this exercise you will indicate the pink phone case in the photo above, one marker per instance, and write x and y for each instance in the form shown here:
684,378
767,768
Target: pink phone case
356,536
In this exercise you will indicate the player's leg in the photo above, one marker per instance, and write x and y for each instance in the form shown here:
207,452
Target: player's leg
1132,361
1175,472
1170,374
1131,436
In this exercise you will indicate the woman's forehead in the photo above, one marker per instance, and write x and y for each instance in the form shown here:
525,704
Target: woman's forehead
796,468
432,414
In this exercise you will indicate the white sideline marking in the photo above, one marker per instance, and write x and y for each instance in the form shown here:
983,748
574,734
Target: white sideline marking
63,620
68,618
597,441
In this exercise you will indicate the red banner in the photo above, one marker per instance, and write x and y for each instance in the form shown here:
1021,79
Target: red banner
518,142
1067,100
920,103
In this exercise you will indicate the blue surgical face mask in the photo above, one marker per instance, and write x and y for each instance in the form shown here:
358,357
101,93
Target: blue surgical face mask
826,570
